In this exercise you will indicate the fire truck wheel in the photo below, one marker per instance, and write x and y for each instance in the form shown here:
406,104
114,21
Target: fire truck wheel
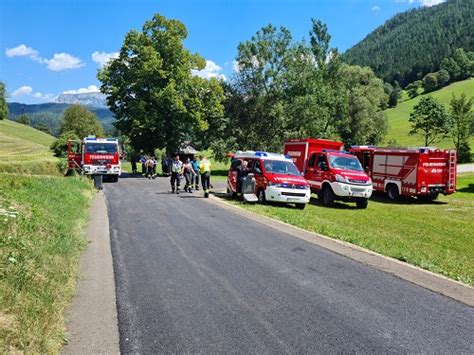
428,198
327,196
392,192
362,203
261,197
114,178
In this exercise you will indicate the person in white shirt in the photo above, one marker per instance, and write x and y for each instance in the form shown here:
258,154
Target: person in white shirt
176,172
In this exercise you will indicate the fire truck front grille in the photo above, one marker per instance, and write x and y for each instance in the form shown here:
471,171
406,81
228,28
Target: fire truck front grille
101,161
294,194
358,181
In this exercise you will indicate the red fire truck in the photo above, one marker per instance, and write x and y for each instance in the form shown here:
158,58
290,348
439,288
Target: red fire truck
332,173
420,172
95,156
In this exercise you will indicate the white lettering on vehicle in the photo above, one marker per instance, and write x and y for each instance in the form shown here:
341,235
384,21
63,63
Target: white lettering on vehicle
294,153
434,164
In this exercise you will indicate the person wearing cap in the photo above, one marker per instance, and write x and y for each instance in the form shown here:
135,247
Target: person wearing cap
205,170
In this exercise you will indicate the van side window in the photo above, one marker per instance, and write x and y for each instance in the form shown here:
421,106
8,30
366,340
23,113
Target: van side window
312,159
257,167
321,161
235,164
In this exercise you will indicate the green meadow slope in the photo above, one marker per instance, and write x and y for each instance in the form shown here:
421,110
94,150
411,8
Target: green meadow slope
24,149
399,126
42,219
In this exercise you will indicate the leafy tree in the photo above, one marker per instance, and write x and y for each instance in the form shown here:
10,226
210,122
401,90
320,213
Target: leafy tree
81,121
394,93
453,69
59,146
413,88
156,100
43,128
3,102
429,118
365,122
430,82
442,76
24,119
462,118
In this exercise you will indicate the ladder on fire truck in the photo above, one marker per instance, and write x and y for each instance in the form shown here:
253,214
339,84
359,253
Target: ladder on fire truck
452,170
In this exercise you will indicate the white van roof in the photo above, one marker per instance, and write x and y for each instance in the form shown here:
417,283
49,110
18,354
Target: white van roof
250,154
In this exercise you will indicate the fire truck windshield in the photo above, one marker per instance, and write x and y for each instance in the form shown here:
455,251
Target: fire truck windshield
280,167
103,148
347,163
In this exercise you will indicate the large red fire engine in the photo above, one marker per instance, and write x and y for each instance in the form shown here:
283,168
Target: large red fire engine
95,156
420,172
332,173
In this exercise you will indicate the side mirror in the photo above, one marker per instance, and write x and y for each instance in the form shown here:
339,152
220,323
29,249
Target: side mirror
324,167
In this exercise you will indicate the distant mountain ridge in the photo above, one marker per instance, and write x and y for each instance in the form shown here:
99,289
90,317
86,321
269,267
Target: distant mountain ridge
413,43
95,99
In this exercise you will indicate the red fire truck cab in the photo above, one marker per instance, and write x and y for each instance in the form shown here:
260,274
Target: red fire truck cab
276,178
420,172
94,156
332,173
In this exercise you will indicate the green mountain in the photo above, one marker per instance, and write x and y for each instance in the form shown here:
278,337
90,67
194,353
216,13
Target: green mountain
399,126
413,43
50,114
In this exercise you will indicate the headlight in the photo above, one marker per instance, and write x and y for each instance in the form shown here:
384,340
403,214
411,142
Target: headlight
340,178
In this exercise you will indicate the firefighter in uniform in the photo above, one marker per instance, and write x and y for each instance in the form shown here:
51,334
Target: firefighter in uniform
205,170
176,171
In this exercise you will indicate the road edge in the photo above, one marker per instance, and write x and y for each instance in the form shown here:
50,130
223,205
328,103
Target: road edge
92,322
438,283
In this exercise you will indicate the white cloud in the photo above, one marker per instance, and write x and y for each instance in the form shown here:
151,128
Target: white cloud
102,58
24,90
21,51
63,61
212,70
375,8
235,66
28,91
88,90
59,62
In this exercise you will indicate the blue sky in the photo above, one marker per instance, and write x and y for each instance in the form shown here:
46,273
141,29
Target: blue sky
50,47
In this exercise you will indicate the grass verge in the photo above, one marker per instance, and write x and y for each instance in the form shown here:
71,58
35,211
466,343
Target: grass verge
42,220
436,236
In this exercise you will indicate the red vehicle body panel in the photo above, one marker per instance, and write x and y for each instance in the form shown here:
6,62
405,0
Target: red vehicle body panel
415,171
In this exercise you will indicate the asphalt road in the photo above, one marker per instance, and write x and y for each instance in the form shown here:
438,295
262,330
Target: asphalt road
193,278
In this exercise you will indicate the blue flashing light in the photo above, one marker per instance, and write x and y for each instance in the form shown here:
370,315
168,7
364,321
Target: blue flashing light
261,154
287,157
91,139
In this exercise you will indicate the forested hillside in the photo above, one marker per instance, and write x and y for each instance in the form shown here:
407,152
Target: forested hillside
414,43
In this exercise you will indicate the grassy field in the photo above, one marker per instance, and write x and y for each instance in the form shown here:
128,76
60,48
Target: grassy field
42,219
398,116
436,236
25,150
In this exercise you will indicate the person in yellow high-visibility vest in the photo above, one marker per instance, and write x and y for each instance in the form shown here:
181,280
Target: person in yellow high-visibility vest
205,170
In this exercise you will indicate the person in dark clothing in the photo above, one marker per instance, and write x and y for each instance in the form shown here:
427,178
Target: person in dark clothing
242,172
134,165
176,172
189,174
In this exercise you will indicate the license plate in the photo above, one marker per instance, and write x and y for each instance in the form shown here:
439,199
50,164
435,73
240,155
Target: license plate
293,200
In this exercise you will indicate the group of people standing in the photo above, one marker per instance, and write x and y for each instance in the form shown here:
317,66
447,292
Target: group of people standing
192,171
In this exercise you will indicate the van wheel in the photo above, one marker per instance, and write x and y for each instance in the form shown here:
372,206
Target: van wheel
114,178
327,196
261,197
300,206
362,203
230,193
393,193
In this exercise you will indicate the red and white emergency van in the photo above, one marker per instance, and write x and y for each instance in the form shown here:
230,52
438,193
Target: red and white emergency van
420,172
95,156
332,173
276,178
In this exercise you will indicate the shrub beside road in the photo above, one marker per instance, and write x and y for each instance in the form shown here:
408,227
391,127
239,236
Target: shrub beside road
435,236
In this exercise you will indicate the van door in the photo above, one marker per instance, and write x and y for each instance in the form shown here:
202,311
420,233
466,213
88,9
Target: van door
321,170
310,171
258,173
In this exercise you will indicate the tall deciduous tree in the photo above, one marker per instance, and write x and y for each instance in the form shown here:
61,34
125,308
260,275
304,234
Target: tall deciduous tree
150,89
462,119
429,118
81,121
3,102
